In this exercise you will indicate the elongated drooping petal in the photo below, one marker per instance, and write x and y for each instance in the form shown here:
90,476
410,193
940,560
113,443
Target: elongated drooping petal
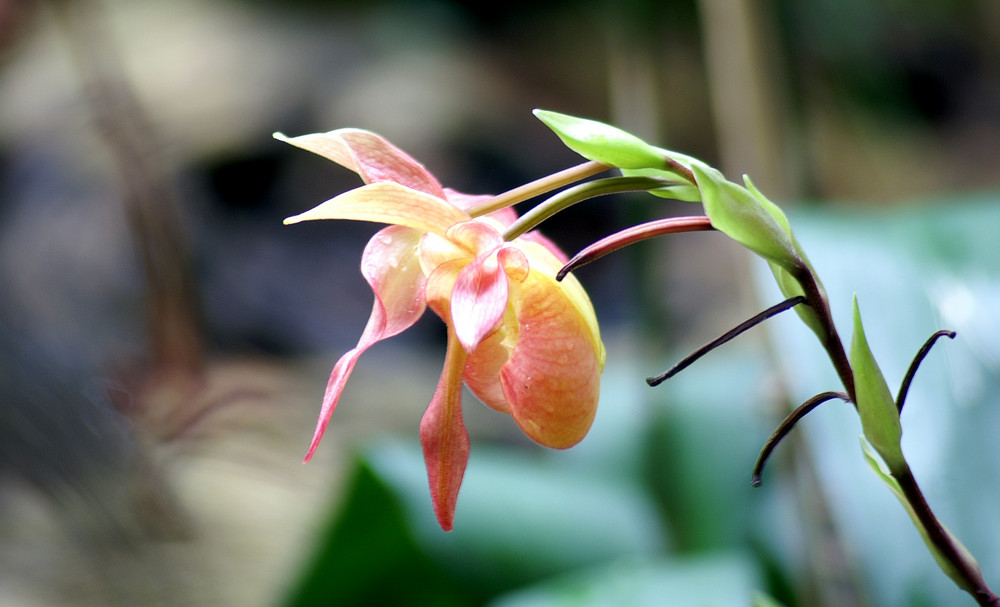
391,268
369,155
443,436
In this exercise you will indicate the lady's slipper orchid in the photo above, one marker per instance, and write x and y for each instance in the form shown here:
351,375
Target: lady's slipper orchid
524,343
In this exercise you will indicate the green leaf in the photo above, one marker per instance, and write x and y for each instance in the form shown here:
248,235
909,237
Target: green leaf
368,555
752,221
602,142
876,407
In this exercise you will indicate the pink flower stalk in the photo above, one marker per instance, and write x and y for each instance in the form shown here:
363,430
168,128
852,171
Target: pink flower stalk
522,342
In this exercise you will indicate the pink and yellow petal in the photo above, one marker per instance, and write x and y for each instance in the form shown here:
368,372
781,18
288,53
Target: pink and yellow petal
443,437
371,156
390,203
390,265
552,379
374,332
545,264
476,236
478,300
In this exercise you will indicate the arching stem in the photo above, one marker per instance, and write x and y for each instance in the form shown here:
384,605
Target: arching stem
785,427
725,337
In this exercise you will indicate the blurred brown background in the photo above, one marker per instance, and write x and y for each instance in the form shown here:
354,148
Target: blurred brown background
164,340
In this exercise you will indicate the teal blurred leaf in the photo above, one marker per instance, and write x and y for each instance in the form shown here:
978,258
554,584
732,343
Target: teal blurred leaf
720,580
933,264
367,555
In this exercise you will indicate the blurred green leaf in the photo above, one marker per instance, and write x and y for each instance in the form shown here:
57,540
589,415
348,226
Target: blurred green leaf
368,556
720,580
706,435
521,518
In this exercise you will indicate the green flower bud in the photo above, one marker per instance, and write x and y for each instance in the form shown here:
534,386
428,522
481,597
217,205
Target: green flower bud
749,219
603,143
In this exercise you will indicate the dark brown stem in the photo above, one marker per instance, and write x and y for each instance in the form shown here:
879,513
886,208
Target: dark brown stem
904,387
785,427
816,299
971,578
725,337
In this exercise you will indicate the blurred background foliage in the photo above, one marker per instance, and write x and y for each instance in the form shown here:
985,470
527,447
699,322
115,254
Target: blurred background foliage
164,340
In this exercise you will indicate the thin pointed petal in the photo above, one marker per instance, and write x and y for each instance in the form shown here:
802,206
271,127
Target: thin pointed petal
443,436
390,267
466,201
369,155
391,203
342,371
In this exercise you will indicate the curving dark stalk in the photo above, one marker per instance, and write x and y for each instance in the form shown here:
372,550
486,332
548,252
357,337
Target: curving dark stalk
904,387
744,326
785,427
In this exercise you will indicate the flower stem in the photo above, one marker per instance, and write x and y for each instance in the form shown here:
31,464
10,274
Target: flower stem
785,427
539,186
725,337
904,387
816,299
969,577
632,235
579,193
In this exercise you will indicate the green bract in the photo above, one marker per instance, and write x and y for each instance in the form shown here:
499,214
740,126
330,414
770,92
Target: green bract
753,221
601,142
876,407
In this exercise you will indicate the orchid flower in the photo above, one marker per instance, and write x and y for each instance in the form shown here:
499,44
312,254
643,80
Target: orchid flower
524,343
